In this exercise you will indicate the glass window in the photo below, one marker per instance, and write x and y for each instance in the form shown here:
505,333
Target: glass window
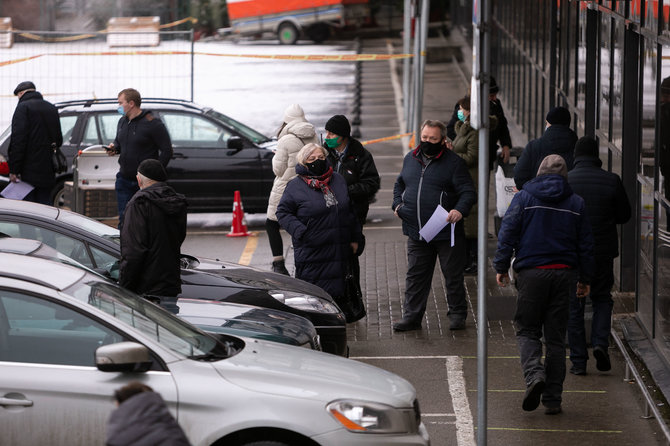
108,123
605,74
617,85
191,130
43,332
651,15
67,123
90,133
66,245
664,20
106,261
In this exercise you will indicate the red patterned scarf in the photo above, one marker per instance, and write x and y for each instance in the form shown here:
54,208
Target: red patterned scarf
321,183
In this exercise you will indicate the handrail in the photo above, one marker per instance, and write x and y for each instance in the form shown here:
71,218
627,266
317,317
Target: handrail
651,405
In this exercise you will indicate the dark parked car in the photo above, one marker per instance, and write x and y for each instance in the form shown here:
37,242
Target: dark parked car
96,246
210,316
214,155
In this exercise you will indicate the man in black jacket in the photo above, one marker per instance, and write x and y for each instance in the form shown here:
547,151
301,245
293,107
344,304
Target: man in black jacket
558,139
351,160
139,136
607,206
35,127
152,235
433,176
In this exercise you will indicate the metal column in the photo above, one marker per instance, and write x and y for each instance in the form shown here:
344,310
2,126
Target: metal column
407,32
420,36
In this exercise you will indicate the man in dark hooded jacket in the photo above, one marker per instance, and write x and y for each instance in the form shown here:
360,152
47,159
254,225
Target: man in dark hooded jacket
607,206
142,419
547,229
35,127
152,235
558,139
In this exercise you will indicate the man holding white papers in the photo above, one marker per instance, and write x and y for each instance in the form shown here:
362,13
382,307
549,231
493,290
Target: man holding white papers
433,176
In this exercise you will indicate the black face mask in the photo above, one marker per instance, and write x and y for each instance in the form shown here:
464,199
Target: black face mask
318,167
430,148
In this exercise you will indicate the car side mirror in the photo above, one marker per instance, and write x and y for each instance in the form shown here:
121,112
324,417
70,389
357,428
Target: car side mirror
126,357
235,143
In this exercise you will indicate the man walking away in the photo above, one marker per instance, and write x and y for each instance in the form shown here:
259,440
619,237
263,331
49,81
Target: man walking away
35,128
558,139
139,136
547,229
433,175
152,235
607,205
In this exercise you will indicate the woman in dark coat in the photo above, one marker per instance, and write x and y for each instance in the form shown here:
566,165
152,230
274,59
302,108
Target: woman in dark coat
315,210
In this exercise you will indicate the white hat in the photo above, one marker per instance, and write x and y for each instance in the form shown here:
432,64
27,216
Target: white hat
293,113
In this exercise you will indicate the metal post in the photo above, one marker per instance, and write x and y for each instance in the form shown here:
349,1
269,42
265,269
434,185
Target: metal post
405,64
192,61
480,105
420,62
416,109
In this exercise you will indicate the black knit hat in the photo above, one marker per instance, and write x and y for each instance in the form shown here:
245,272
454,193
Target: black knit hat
559,116
493,86
25,85
152,169
586,146
339,124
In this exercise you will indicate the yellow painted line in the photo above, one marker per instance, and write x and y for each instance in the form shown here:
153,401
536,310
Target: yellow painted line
249,249
579,431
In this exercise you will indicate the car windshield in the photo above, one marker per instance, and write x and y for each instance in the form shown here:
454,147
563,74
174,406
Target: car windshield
151,320
5,134
90,225
248,132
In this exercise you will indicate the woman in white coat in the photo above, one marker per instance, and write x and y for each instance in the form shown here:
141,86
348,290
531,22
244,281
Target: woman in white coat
293,135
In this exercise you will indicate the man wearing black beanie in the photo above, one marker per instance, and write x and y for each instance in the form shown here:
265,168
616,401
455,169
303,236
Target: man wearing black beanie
151,236
558,139
607,206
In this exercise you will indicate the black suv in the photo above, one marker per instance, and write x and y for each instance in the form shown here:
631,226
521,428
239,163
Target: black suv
214,155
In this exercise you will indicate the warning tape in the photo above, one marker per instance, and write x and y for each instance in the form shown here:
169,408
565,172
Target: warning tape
387,138
304,57
32,36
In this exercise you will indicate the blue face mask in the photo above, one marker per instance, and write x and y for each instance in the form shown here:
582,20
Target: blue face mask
461,115
120,110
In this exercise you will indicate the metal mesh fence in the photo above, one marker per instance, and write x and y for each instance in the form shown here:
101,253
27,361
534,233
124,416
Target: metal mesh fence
66,66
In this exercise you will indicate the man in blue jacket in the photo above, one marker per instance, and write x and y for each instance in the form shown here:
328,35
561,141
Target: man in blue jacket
547,229
433,175
607,206
558,139
139,136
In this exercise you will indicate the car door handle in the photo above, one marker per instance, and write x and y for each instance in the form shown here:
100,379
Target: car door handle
178,155
15,402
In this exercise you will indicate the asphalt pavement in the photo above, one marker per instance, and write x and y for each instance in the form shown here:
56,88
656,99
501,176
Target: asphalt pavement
599,408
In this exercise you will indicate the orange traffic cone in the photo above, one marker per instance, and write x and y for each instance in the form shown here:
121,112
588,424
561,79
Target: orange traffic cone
239,226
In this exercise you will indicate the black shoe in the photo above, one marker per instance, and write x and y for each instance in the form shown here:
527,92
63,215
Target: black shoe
456,323
553,410
279,267
407,325
602,358
579,371
471,269
533,395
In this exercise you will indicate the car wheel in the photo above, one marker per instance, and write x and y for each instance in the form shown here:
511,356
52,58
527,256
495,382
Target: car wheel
287,33
58,194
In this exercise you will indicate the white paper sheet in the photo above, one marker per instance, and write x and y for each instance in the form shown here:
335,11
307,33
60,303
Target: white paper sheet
17,191
435,224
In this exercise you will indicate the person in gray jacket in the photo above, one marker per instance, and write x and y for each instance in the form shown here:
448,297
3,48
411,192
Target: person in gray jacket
142,419
293,135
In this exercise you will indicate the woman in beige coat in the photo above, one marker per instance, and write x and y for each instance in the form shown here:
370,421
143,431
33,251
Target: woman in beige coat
293,135
466,145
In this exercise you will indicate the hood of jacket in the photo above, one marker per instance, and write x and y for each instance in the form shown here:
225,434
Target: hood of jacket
551,188
31,95
163,196
300,129
588,161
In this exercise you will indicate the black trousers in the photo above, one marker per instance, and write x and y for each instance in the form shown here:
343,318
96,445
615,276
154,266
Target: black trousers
421,257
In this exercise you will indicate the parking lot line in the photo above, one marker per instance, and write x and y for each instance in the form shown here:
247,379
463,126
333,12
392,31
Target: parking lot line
576,431
249,249
465,432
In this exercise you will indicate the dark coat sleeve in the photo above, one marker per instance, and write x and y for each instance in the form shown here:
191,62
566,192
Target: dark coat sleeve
451,125
368,181
287,212
134,245
623,211
398,189
19,139
585,246
523,169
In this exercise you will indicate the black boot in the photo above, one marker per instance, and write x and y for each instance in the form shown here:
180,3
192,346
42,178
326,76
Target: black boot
471,257
279,267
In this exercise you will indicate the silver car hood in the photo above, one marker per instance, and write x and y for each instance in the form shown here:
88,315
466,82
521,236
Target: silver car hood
273,368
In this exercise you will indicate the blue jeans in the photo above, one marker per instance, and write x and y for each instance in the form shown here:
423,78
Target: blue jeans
542,309
601,298
421,257
125,189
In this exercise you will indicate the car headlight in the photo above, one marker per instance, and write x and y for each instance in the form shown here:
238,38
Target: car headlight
304,302
376,418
